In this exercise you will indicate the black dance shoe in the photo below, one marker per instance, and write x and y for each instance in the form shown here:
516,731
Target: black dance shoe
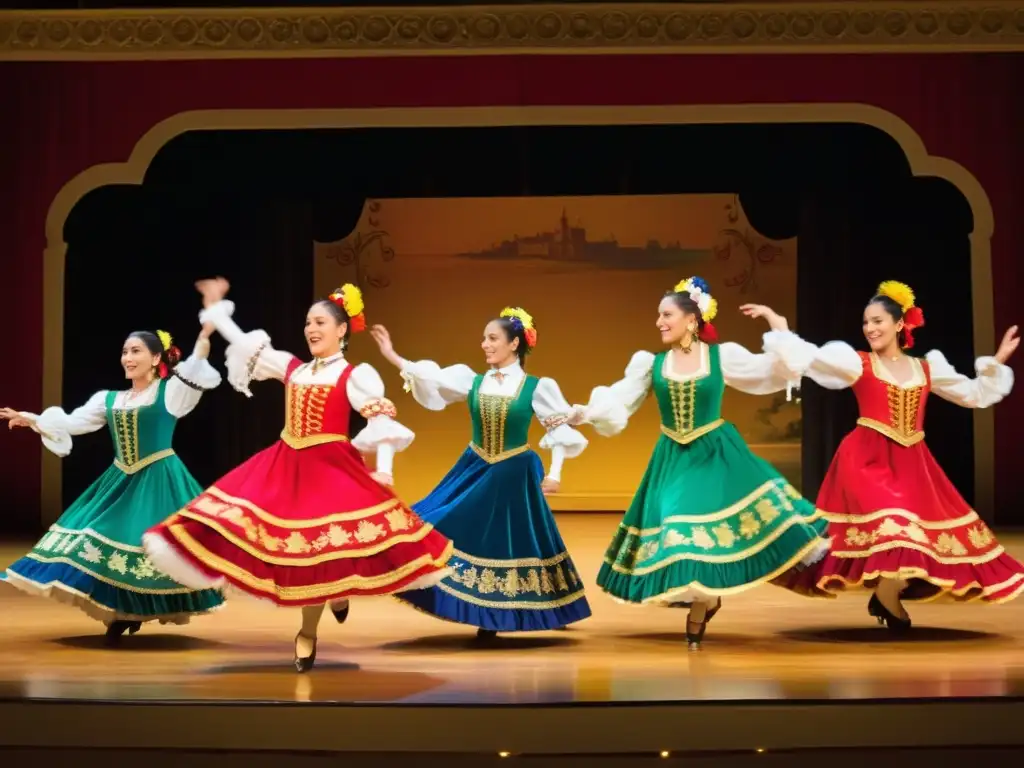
341,614
117,628
304,663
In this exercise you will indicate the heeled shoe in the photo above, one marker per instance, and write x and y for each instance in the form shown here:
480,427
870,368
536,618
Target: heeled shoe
711,613
304,663
341,614
117,628
486,634
885,617
694,639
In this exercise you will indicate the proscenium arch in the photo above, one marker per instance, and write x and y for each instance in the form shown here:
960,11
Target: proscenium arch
133,170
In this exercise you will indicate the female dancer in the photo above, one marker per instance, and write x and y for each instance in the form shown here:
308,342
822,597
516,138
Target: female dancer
511,569
303,522
92,556
898,526
710,517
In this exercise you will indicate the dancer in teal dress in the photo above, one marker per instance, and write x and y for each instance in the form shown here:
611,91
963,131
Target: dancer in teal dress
710,518
92,557
512,572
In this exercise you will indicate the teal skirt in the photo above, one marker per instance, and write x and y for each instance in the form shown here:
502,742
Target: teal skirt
92,556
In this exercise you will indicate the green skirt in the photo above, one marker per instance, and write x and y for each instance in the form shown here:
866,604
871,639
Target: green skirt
710,519
92,556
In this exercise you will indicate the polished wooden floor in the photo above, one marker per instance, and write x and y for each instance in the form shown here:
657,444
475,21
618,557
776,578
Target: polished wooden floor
765,645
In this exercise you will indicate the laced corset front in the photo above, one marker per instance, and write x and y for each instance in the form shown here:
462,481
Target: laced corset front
894,410
316,413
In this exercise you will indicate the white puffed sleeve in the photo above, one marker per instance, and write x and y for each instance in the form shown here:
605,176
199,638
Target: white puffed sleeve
434,387
191,378
610,408
382,434
993,383
780,367
56,428
563,441
249,355
836,365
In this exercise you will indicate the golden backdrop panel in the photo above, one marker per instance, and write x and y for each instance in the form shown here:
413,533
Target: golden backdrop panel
591,271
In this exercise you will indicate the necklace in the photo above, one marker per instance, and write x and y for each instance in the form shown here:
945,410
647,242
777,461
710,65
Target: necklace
321,363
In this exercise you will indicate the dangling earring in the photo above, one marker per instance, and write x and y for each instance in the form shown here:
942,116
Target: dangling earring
688,344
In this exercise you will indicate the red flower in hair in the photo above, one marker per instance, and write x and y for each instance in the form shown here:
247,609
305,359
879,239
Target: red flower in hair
708,334
914,318
357,323
531,337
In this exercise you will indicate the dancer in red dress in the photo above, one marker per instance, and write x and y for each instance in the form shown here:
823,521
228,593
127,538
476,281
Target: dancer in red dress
304,523
897,524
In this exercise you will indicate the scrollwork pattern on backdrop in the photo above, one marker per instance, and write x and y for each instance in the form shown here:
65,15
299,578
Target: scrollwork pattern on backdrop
755,251
367,250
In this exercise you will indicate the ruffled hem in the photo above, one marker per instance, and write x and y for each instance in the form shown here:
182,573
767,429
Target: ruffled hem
95,598
446,606
381,430
205,569
688,580
997,581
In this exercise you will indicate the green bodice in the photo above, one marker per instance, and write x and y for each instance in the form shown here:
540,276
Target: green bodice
501,423
690,408
141,435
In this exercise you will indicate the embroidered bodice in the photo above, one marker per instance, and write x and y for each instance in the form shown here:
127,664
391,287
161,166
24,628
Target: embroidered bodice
690,406
501,423
141,435
897,411
315,414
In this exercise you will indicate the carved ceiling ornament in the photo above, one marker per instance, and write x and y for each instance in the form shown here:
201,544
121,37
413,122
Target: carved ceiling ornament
869,25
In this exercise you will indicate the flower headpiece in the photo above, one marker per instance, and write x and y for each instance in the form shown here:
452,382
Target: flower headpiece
699,291
521,320
913,316
350,299
171,354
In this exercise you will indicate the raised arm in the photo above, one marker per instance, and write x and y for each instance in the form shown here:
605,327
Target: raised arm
779,367
433,387
993,382
382,435
249,356
610,408
56,427
564,442
190,379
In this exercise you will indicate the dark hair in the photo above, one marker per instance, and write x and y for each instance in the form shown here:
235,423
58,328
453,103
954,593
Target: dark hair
515,330
895,311
340,316
169,357
687,305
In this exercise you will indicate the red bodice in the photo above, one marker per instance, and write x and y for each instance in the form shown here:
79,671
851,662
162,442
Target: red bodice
895,411
315,413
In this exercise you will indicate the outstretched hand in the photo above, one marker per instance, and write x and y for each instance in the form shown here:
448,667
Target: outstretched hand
213,290
14,419
1008,345
775,321
387,348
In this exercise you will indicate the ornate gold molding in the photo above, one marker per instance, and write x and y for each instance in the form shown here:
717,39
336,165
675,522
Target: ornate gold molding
860,25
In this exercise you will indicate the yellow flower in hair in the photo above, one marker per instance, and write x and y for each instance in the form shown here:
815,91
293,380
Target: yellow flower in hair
165,339
352,298
712,310
519,314
898,292
683,286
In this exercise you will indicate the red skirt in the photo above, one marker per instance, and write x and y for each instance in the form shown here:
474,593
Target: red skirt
893,513
300,527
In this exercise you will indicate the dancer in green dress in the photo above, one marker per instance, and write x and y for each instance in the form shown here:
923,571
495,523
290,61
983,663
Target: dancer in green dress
710,518
92,556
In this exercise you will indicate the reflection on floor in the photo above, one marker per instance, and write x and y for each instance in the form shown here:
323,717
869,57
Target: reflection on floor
764,645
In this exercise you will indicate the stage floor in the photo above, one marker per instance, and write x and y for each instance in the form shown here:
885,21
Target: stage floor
765,646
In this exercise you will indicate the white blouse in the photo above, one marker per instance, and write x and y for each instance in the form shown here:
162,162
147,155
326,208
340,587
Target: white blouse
250,356
435,388
56,427
836,365
785,358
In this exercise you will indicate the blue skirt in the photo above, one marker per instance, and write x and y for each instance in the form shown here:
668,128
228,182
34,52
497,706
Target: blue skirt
511,572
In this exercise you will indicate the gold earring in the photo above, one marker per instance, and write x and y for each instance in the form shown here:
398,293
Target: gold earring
688,344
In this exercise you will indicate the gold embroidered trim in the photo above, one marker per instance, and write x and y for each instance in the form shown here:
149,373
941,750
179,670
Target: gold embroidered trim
312,522
956,559
683,438
529,562
378,407
126,427
306,592
834,517
499,457
825,583
902,438
98,536
513,605
106,580
143,463
301,543
308,441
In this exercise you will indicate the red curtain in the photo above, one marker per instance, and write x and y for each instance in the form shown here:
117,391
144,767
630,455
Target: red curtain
62,118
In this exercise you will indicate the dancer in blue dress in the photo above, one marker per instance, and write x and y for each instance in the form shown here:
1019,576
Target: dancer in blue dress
511,570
